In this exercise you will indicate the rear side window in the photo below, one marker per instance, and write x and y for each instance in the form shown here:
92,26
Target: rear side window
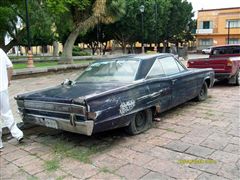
169,65
236,50
226,50
156,70
220,51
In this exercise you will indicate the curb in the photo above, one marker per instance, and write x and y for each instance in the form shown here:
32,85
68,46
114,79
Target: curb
34,72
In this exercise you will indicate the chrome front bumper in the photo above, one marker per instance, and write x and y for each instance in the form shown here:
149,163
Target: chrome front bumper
85,127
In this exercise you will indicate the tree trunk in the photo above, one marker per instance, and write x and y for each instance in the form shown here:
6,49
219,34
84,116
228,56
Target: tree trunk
124,48
55,48
93,51
9,46
2,42
68,46
132,48
104,48
164,46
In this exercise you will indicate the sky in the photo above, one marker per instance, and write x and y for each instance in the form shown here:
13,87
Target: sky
212,4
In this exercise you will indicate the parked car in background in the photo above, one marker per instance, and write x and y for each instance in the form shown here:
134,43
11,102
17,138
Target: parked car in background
207,50
225,61
120,92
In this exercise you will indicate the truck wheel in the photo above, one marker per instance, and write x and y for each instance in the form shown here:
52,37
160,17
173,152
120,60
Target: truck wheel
238,78
203,92
140,122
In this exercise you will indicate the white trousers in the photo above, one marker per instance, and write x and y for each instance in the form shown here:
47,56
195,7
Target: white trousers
7,117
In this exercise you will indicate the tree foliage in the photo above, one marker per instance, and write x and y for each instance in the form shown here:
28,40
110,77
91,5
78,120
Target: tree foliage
71,21
163,21
13,23
82,16
180,15
42,29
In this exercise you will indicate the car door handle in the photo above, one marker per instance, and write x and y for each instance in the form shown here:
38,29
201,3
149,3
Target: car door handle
173,81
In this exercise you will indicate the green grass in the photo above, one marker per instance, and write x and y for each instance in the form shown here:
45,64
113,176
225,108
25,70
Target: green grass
51,165
170,130
32,178
105,170
47,64
60,178
81,153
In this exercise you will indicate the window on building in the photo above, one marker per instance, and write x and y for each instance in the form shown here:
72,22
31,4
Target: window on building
233,41
233,23
205,42
206,25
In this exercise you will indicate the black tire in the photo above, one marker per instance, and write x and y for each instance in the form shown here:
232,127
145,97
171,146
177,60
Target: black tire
238,78
140,122
203,94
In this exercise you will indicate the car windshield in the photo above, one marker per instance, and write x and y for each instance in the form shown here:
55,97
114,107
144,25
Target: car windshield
105,71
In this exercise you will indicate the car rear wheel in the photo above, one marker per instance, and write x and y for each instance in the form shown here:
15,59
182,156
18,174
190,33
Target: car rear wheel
140,122
203,92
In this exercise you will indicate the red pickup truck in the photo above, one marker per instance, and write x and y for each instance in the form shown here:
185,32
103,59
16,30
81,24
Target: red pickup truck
224,60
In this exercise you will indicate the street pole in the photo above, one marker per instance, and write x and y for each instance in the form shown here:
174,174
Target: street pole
142,11
98,51
228,31
155,48
30,59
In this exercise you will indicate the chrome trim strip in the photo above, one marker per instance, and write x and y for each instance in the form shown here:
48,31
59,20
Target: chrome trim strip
54,107
52,103
43,110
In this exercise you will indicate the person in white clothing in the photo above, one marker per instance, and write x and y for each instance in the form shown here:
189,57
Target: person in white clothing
5,111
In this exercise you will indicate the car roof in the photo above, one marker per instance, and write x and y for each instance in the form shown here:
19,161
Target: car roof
140,56
227,45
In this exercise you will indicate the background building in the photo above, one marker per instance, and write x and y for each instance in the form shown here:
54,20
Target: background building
218,27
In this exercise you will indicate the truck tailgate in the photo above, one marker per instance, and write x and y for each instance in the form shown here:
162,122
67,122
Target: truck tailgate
219,65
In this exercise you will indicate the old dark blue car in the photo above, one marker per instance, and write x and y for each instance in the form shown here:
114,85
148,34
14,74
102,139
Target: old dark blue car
121,92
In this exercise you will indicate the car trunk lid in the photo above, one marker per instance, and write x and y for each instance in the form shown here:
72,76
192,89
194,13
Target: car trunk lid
67,93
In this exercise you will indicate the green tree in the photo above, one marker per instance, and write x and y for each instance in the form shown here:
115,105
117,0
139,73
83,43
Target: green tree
9,21
96,38
12,18
164,21
180,15
42,29
128,29
84,15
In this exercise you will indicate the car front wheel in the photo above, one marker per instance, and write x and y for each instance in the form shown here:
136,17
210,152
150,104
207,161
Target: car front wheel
203,92
140,122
